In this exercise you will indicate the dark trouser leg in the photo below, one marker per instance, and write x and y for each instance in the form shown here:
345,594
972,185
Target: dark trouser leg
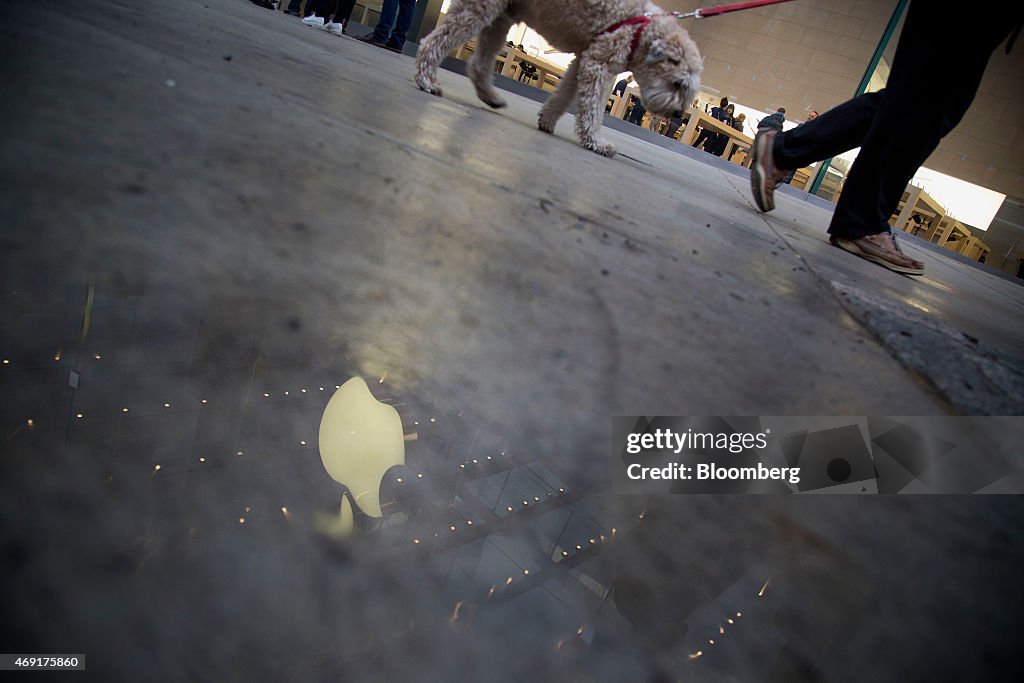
406,8
321,8
892,150
838,130
720,144
388,14
705,135
344,11
902,130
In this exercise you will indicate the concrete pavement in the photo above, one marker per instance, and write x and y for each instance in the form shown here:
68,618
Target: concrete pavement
208,201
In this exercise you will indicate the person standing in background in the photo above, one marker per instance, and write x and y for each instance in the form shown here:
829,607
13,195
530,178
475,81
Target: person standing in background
637,113
674,124
773,121
739,122
342,10
709,137
722,140
395,20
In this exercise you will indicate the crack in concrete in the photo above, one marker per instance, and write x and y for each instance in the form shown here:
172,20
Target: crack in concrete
975,378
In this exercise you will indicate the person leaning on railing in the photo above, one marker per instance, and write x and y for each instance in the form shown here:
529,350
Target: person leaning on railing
708,137
722,139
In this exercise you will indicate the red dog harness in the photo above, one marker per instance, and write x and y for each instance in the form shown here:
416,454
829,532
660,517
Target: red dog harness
640,22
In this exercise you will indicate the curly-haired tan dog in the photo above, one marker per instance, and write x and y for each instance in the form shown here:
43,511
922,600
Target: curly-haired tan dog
608,37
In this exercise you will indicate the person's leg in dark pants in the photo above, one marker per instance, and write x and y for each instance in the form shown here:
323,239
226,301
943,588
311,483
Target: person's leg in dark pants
636,116
704,138
720,144
406,8
838,130
342,10
318,8
892,145
324,8
892,151
390,15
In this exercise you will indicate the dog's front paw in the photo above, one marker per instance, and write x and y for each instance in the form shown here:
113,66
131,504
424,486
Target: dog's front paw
491,98
605,149
432,87
546,122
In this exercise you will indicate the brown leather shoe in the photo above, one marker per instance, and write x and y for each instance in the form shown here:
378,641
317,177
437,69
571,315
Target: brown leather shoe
764,174
881,249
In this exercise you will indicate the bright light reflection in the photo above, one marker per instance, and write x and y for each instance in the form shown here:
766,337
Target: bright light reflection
968,203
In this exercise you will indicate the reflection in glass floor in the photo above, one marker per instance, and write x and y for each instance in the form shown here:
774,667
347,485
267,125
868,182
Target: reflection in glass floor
161,486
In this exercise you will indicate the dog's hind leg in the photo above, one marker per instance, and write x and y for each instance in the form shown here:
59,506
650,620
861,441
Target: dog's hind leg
481,64
465,19
592,88
559,101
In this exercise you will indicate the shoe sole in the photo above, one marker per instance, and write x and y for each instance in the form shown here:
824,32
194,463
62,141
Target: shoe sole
758,180
847,245
383,46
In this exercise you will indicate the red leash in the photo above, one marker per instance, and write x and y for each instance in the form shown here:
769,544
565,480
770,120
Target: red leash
643,20
725,9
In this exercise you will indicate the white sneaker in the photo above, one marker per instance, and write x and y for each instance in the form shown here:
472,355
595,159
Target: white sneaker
335,27
314,20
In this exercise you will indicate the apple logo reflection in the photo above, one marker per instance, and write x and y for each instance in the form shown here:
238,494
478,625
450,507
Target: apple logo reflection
360,440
